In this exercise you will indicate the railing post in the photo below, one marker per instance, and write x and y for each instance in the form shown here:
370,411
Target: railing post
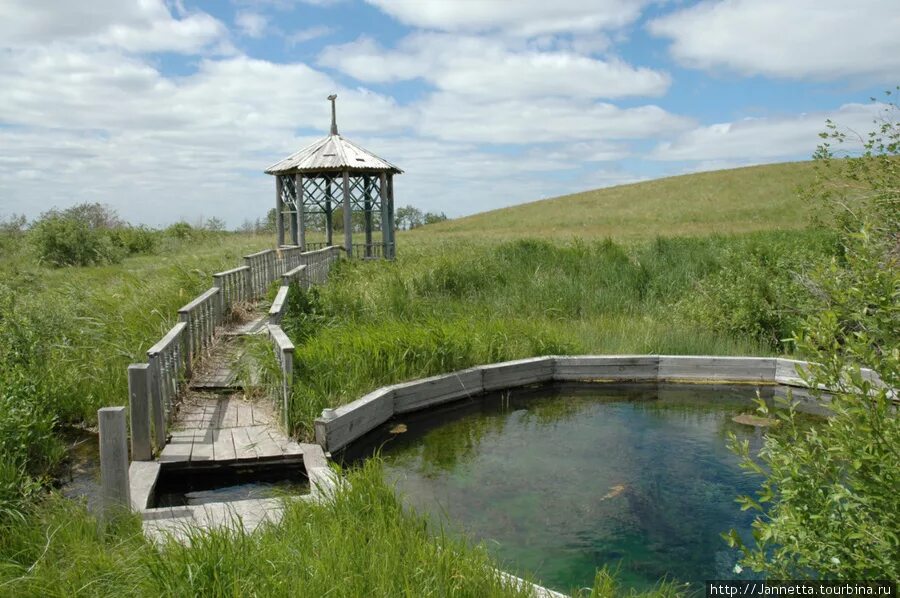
115,491
287,374
139,409
156,403
188,342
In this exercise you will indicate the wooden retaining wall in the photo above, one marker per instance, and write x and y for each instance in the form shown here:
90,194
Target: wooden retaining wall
336,428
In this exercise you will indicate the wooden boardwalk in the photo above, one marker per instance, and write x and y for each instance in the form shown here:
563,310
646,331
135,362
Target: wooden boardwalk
215,425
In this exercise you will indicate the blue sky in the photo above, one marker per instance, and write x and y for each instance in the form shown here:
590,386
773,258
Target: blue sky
171,110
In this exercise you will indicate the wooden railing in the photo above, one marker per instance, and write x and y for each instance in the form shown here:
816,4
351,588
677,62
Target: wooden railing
291,257
235,286
168,362
276,312
316,246
201,315
284,354
368,250
297,275
318,263
262,270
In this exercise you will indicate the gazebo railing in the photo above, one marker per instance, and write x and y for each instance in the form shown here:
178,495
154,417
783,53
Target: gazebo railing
316,246
368,250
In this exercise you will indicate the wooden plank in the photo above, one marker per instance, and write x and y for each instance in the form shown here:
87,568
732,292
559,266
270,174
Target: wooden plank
262,442
436,390
202,449
200,299
699,367
170,337
520,372
786,371
223,445
349,422
244,447
288,447
606,367
244,414
179,447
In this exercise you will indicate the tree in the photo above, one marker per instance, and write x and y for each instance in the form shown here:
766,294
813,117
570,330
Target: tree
829,502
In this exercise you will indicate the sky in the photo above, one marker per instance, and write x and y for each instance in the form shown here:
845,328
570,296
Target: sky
171,110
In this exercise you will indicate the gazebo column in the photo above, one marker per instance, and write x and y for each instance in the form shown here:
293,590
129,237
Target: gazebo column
348,216
385,220
279,211
390,211
328,227
367,207
301,211
293,219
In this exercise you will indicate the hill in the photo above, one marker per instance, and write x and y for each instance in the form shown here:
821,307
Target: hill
725,201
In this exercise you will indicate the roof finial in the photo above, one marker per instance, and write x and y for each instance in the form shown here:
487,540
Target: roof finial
333,97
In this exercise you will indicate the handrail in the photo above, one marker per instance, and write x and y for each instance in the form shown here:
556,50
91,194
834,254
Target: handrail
278,305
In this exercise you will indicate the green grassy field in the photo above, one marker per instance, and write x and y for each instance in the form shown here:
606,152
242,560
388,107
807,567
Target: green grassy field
756,198
706,263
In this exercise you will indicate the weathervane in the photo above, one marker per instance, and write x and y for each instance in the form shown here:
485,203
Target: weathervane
333,97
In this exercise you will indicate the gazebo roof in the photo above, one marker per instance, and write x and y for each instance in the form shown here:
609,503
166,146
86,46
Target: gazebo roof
332,153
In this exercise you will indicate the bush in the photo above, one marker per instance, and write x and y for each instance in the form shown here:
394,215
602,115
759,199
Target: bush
134,239
63,239
829,505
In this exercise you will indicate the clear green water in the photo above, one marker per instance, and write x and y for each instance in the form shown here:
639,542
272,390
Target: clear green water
560,481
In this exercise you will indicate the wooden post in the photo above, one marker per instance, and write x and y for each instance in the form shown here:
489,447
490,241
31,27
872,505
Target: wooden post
287,374
189,341
367,207
139,409
348,216
293,217
385,221
301,212
328,230
157,410
115,491
279,209
393,246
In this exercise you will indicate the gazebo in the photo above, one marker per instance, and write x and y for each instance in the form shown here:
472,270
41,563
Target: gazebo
334,173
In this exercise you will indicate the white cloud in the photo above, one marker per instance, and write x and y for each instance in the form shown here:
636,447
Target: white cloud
310,33
522,17
756,140
144,26
487,68
816,39
541,120
105,126
251,24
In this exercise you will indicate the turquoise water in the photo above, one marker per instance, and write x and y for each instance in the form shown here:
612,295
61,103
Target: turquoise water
560,481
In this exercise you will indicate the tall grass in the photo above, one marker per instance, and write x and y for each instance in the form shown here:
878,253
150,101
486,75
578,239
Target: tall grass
361,544
444,307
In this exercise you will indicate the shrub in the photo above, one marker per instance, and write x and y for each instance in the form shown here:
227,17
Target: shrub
134,239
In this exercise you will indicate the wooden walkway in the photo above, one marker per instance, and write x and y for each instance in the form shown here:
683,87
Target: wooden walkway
215,425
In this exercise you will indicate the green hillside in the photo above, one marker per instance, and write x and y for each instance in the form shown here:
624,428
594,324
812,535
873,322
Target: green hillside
737,200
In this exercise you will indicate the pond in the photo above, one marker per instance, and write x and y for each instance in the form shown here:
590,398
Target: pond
560,480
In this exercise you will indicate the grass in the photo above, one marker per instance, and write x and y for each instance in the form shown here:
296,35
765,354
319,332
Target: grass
740,200
696,264
362,544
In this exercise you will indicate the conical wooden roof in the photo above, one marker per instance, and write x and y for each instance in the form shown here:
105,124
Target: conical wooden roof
332,153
